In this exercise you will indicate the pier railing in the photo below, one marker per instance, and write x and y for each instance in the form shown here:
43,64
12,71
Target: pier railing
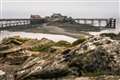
99,22
108,23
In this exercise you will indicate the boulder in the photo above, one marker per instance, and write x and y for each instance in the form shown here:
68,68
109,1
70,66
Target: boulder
43,69
45,59
99,55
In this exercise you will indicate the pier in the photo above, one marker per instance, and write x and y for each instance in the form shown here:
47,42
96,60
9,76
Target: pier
98,22
4,23
7,23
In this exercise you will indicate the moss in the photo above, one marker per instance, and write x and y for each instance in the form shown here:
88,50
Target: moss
43,47
48,46
79,41
40,48
63,43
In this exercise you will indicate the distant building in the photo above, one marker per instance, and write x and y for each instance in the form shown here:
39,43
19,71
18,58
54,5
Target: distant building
57,15
35,17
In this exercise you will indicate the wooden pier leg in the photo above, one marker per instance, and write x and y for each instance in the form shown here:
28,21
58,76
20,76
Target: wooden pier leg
14,23
24,22
113,23
7,23
28,22
20,22
85,21
1,25
92,22
107,23
99,23
10,23
79,21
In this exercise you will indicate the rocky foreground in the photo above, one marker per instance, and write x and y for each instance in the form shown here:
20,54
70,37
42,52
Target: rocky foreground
93,58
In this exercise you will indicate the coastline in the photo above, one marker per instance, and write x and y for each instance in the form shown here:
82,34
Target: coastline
54,37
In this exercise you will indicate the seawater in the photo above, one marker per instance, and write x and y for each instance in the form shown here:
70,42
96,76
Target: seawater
6,34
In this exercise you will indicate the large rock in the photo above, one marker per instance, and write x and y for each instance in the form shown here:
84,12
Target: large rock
45,59
42,68
97,55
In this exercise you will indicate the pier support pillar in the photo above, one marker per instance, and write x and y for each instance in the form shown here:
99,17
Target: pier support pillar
85,21
92,22
99,23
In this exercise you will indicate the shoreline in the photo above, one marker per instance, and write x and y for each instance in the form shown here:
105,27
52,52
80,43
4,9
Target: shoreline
54,33
54,37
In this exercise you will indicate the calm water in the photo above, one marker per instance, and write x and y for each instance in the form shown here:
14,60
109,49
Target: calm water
5,34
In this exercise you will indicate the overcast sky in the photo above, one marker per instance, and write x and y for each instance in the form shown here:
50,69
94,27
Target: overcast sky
74,8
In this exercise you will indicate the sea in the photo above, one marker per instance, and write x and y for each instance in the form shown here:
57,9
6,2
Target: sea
54,37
